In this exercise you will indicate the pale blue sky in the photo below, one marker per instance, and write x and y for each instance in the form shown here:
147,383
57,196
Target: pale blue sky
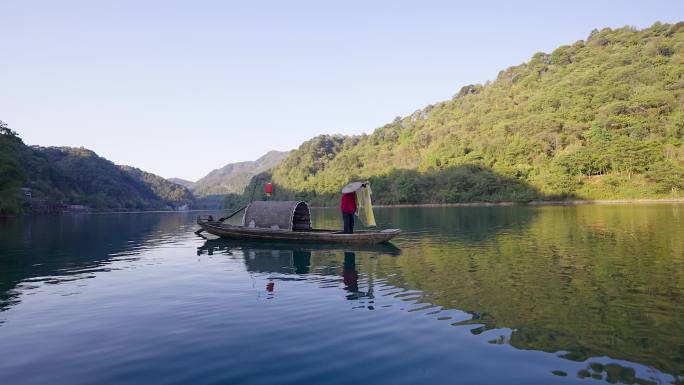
179,88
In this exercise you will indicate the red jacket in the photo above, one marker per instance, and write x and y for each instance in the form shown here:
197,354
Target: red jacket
348,204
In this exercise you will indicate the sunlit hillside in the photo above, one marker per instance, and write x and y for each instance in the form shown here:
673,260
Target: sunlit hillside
600,118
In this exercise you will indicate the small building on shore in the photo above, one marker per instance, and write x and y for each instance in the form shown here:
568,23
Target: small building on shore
76,208
27,192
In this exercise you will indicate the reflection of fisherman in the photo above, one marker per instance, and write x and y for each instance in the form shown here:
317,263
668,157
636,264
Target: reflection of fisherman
349,274
350,277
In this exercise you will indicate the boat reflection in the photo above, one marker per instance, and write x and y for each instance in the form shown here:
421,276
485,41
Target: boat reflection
448,283
227,246
288,258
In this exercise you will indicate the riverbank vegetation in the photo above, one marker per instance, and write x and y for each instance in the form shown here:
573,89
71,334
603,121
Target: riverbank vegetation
602,118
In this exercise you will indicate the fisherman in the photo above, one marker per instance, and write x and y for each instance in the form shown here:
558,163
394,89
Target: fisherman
348,205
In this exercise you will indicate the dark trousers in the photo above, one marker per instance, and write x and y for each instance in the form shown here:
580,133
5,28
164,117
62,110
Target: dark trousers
348,222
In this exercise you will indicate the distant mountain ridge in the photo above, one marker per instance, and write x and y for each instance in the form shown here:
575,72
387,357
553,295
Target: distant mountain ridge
234,177
183,182
173,194
55,176
33,178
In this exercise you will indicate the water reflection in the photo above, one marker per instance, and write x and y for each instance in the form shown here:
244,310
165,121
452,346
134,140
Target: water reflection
288,258
228,246
599,289
435,224
613,373
54,249
591,281
351,279
424,286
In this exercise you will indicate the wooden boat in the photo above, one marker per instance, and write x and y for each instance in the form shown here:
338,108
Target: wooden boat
312,235
287,221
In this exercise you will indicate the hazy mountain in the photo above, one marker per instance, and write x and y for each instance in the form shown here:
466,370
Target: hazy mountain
185,183
233,177
173,194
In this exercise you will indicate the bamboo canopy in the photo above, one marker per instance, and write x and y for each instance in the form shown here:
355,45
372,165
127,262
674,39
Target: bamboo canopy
283,215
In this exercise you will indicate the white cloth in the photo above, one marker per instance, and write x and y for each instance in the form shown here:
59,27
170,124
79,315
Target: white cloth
365,207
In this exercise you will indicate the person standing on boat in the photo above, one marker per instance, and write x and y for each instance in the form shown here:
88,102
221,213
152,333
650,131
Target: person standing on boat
348,206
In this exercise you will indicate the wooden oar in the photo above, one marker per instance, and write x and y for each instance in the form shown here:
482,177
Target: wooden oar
233,214
198,232
251,199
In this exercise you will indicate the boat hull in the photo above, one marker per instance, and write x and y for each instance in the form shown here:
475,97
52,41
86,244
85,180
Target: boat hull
315,236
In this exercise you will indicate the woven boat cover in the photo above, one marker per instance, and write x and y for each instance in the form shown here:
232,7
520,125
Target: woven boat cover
283,215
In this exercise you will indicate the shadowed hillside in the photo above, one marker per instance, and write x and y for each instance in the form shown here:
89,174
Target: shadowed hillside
77,176
462,183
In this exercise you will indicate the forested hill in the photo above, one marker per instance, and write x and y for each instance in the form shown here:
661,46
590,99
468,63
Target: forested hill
602,118
77,176
233,177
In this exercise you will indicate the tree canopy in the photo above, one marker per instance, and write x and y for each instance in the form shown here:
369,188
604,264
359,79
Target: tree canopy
602,118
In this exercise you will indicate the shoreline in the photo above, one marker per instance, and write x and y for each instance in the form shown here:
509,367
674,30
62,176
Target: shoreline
92,212
462,204
539,203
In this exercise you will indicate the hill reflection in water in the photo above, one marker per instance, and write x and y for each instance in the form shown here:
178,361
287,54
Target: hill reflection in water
590,292
583,282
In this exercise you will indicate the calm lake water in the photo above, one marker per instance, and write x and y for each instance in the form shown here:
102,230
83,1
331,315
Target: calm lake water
505,295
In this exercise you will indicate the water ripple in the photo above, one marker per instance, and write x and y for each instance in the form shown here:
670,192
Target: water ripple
517,295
